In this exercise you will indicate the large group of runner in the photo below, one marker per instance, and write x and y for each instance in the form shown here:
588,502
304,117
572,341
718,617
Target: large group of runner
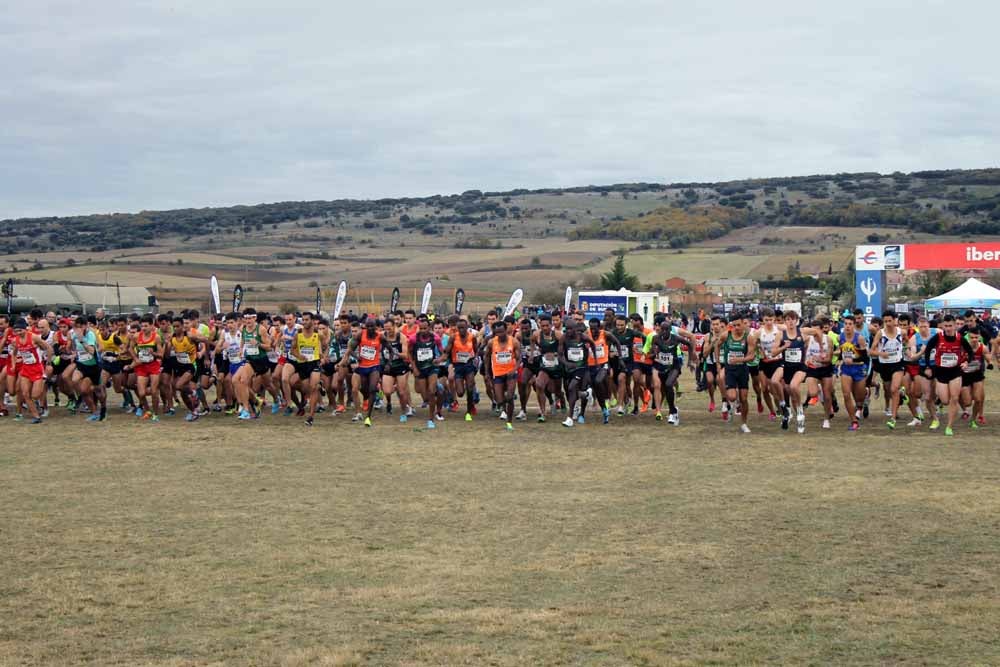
246,364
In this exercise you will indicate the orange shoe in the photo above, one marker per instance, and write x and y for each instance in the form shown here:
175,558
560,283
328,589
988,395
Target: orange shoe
340,409
364,405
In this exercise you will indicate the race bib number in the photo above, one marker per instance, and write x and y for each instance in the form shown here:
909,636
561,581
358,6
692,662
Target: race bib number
84,356
272,355
29,358
664,358
972,366
463,357
734,358
183,358
574,354
368,353
109,356
234,357
504,357
848,355
252,350
624,351
344,350
145,355
793,356
599,351
549,361
425,354
948,360
307,353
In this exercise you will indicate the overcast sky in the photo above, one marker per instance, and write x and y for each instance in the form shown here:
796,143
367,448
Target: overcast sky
122,106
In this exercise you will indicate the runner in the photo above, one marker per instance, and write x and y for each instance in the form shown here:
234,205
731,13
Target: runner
664,349
396,368
87,375
550,373
574,351
945,355
530,365
792,349
184,352
146,348
974,378
29,368
888,347
426,346
853,370
819,368
600,378
771,369
734,350
503,359
309,350
369,345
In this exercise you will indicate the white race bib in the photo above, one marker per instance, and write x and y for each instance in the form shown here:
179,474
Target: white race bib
574,353
183,358
29,357
307,353
793,356
145,355
463,357
599,351
368,353
425,354
973,366
664,358
504,357
949,360
84,356
252,350
549,361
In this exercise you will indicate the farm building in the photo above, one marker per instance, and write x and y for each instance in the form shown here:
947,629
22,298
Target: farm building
65,298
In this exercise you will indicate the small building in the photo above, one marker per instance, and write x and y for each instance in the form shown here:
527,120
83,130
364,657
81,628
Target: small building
675,284
732,286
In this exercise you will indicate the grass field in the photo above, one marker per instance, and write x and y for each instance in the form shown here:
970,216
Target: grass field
629,544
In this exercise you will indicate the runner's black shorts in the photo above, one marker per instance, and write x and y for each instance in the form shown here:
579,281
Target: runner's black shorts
424,373
181,369
791,369
819,372
305,368
92,372
396,371
645,369
946,375
260,366
886,371
769,367
329,368
737,377
969,379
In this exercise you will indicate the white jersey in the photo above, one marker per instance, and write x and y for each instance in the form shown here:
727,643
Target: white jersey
816,349
893,347
768,340
232,347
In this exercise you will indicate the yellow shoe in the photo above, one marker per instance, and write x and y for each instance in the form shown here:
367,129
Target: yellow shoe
468,417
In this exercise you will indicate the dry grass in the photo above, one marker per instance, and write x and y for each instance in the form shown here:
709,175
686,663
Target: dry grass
636,543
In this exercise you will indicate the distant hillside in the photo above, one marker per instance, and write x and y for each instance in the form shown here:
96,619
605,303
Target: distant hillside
954,202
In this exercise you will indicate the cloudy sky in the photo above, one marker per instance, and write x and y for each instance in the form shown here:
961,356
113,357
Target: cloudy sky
122,106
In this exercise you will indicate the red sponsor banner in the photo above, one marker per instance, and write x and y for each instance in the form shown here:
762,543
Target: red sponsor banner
926,256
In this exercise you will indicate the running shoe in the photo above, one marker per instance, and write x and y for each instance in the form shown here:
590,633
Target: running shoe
468,416
509,427
974,425
36,420
606,415
431,424
94,418
744,428
368,421
191,416
772,417
935,424
138,412
275,408
914,422
826,423
580,420
521,416
854,426
245,415
891,424
358,417
309,421
402,418
541,418
711,406
948,432
760,407
568,422
659,416
981,420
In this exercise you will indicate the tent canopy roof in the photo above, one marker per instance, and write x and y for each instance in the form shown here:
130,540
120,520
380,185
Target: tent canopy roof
972,293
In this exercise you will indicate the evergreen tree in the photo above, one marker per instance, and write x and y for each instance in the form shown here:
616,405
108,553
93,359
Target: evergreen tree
618,277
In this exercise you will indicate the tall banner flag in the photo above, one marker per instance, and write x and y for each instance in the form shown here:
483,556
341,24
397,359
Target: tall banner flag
513,302
216,303
869,291
319,301
425,303
237,298
8,291
341,295
459,300
568,299
118,289
394,301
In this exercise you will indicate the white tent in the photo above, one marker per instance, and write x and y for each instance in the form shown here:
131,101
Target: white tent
970,294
